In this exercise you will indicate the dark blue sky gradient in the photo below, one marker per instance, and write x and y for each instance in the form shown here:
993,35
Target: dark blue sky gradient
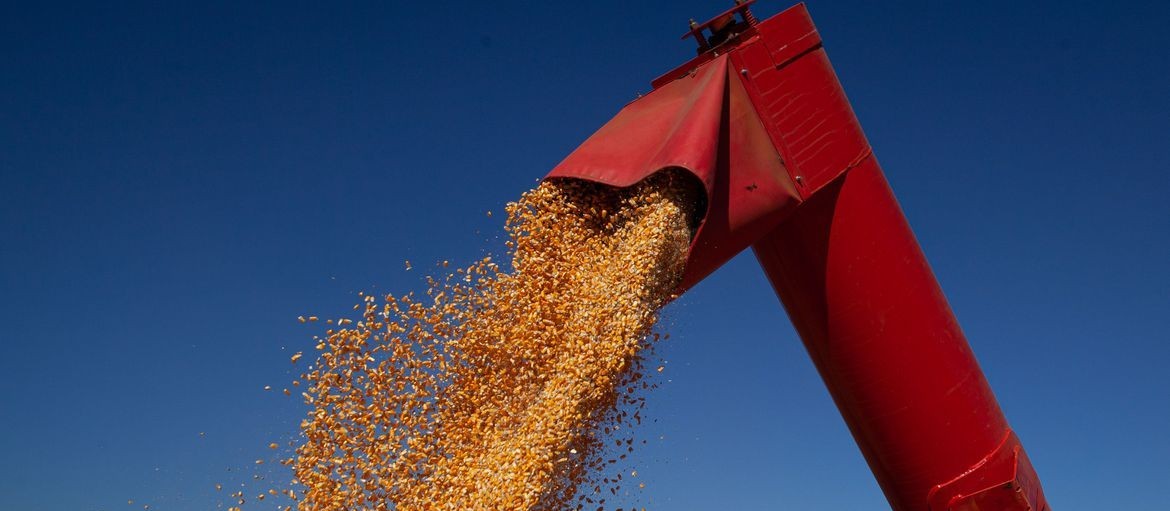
179,182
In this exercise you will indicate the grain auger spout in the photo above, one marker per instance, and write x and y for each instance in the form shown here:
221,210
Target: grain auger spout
760,121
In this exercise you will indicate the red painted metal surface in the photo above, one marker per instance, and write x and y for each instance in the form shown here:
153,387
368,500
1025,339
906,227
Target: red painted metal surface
760,119
703,123
876,324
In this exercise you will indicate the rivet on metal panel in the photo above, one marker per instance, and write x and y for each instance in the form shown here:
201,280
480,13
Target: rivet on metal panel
800,180
743,71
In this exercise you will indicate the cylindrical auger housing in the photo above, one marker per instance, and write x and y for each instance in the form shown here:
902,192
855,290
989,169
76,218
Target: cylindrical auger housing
760,120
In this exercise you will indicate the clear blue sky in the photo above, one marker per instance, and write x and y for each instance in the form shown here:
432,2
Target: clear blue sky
179,182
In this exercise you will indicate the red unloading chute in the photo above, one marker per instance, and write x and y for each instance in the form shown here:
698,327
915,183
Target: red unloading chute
759,118
703,123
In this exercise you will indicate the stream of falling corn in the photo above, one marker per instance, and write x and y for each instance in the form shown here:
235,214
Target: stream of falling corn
501,388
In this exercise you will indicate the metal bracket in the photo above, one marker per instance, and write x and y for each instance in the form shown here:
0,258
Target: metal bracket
723,27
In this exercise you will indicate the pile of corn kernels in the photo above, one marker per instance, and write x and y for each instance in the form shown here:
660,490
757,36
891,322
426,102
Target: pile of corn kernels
501,388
